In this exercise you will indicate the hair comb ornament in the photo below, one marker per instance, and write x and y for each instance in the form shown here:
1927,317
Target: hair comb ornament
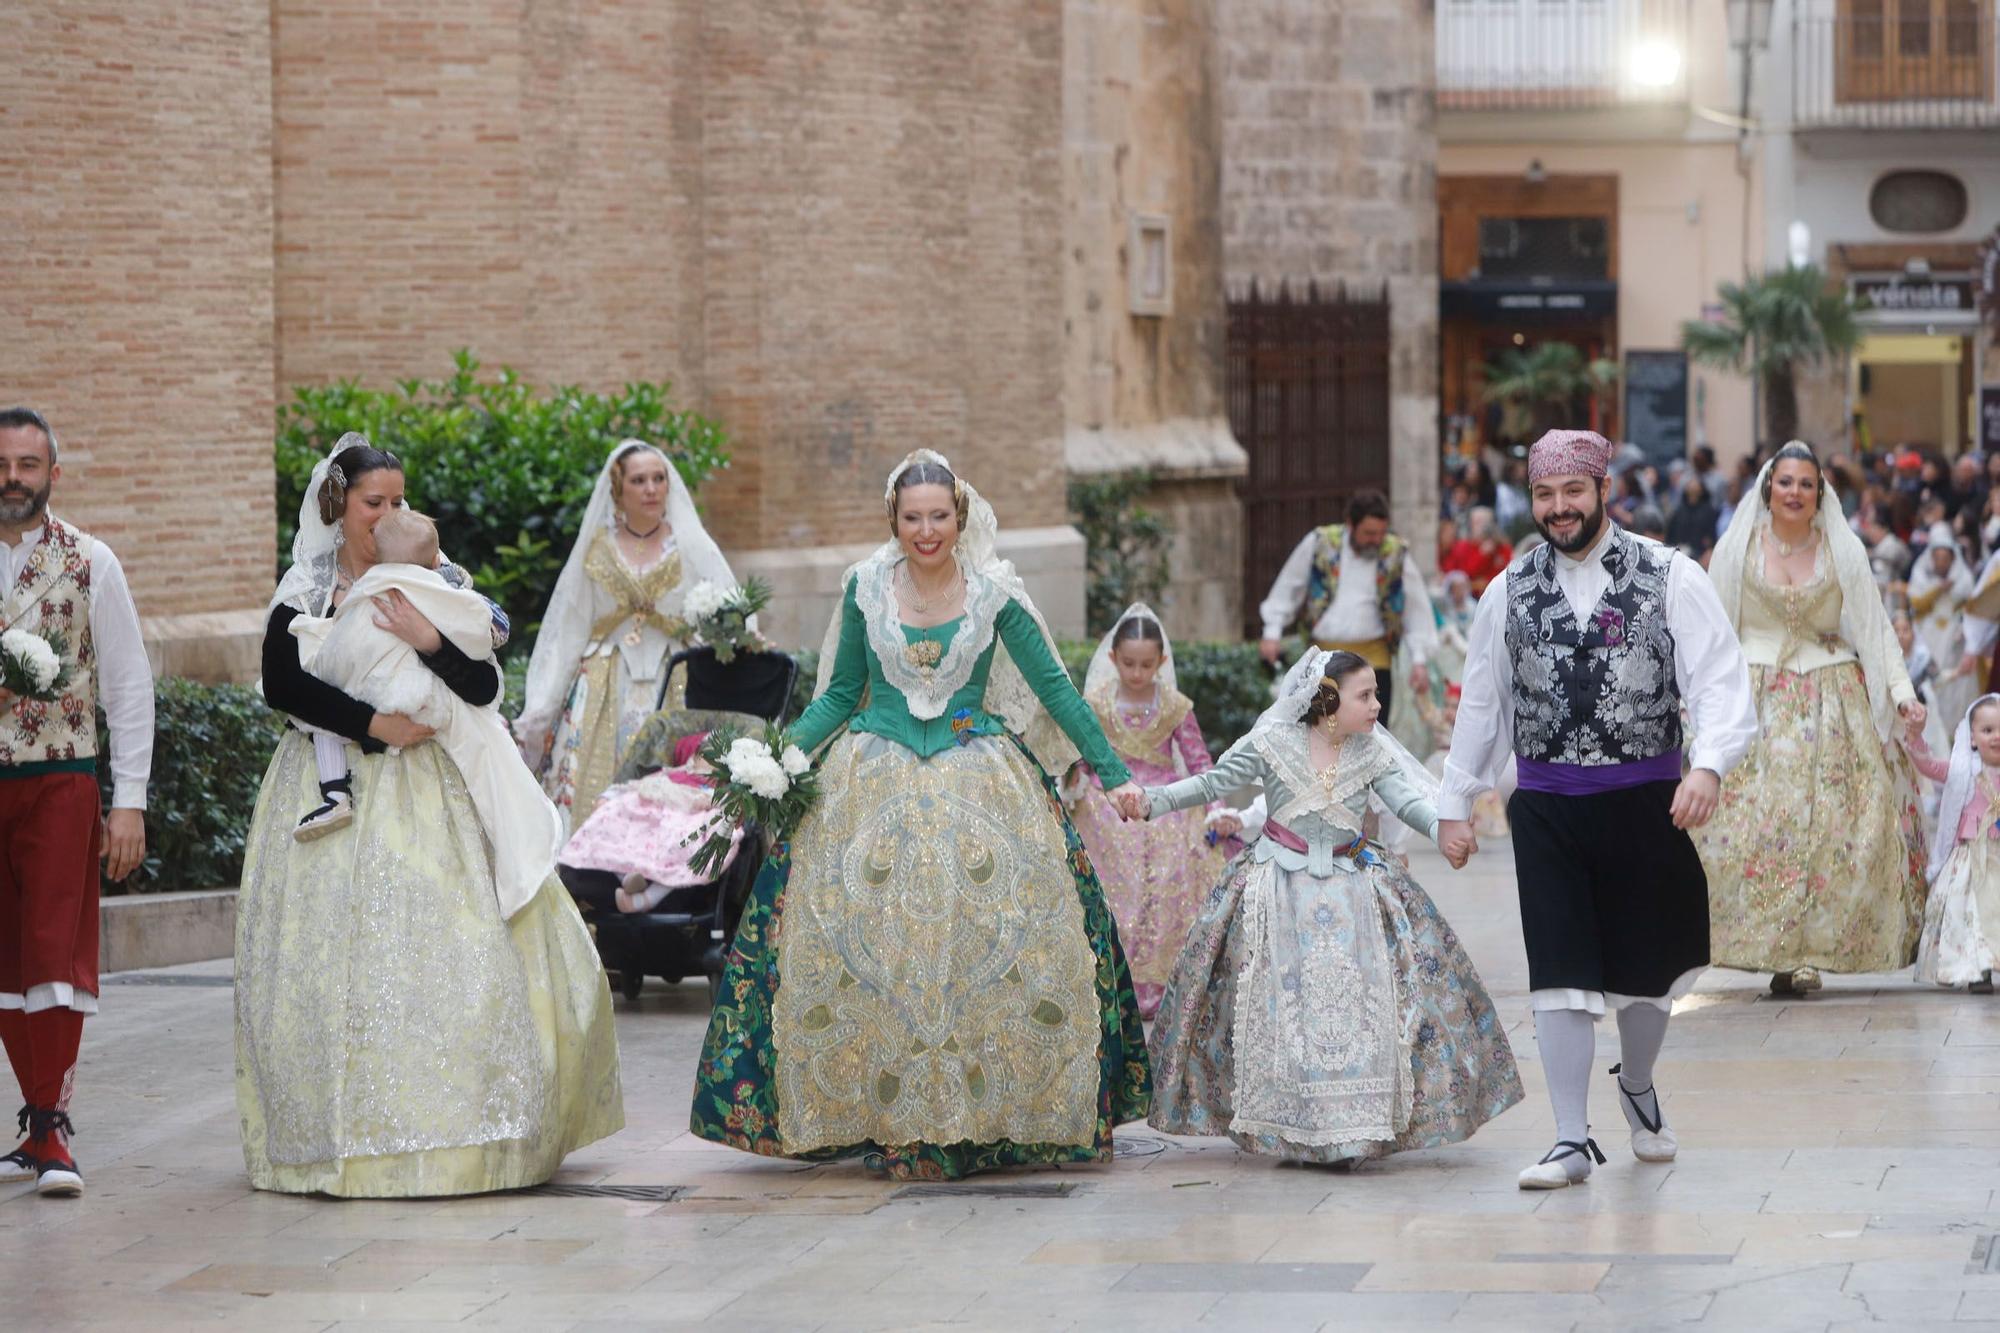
337,475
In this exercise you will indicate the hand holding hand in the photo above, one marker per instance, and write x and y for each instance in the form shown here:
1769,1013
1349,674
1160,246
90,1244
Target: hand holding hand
1914,713
1270,649
1695,798
1420,678
1129,800
393,612
1226,826
397,731
1456,841
124,838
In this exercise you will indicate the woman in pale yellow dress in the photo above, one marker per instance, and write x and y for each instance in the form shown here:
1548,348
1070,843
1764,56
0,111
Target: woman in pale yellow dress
617,615
1815,857
396,1036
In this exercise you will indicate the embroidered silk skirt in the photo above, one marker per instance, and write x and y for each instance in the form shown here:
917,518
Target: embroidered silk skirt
395,1037
1816,856
1155,873
927,976
1318,1020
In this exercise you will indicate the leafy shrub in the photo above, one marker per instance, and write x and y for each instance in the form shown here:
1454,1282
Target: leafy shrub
212,745
504,468
1127,544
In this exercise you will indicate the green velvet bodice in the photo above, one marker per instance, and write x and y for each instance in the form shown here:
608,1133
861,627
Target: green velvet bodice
856,670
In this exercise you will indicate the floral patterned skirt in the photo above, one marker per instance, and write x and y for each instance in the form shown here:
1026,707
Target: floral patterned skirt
1370,953
926,976
1961,935
1815,856
1155,872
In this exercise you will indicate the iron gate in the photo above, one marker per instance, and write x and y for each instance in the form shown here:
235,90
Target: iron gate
1308,382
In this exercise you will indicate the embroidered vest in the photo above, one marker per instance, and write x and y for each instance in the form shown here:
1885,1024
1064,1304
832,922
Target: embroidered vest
1602,692
52,596
1325,581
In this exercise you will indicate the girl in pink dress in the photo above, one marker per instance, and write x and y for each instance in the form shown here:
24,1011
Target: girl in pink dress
1155,874
1960,943
648,829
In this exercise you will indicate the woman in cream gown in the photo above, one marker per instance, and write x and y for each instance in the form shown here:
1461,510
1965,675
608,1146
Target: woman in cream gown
612,623
926,975
395,1036
1815,856
1937,605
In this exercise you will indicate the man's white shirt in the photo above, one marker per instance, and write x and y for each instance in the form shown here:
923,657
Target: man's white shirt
1354,615
1709,668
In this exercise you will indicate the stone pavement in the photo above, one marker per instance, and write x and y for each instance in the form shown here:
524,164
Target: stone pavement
1840,1166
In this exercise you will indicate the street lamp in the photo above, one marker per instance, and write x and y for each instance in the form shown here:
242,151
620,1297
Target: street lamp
1749,24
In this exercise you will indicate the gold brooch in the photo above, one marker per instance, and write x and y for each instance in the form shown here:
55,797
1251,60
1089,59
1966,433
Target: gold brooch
924,654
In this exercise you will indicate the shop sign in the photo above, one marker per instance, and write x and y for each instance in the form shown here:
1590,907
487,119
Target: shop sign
1503,299
1908,293
1656,399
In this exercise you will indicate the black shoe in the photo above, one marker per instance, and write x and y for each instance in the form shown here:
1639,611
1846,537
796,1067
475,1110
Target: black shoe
57,1176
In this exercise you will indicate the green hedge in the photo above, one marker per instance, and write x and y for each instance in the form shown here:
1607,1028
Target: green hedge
1229,683
211,746
506,469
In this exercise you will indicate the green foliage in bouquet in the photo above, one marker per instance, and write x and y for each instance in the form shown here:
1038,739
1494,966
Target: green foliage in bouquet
505,468
760,779
726,628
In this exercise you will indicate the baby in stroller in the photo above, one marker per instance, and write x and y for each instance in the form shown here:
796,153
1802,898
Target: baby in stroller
646,830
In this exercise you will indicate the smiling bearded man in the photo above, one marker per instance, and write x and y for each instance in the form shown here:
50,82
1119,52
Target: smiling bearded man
59,584
1579,661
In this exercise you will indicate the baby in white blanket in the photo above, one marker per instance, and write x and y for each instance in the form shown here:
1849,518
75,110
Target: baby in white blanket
350,651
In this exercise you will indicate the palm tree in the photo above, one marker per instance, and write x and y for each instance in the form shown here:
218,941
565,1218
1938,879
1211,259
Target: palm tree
1543,382
1771,327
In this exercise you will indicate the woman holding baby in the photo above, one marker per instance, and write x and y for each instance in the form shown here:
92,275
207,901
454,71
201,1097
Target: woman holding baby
399,1032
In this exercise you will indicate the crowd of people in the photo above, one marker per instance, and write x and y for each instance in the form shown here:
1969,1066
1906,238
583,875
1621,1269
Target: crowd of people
1704,708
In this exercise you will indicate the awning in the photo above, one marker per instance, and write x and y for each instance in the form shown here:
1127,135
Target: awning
1527,300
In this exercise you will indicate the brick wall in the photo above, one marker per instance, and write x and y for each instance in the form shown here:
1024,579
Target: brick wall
135,236
836,228
1330,172
882,226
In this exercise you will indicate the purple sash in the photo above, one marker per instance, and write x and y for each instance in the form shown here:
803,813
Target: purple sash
1284,837
1590,779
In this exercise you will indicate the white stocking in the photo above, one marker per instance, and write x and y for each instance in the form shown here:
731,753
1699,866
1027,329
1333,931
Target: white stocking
1642,1030
1567,1040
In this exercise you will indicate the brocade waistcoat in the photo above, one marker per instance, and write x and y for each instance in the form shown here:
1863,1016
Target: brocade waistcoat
51,598
1601,692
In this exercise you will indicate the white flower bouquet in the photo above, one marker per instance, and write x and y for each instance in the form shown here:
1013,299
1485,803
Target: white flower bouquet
762,780
720,615
32,665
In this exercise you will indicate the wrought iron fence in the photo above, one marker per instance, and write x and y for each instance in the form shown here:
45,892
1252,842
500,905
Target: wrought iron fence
1308,387
1896,64
1552,54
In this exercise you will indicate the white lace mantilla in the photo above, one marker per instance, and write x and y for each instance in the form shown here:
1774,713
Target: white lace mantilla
928,690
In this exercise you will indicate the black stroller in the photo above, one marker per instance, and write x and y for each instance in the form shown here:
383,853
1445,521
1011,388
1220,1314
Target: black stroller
690,930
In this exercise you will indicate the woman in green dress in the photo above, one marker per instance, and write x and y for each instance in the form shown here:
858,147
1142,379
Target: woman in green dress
945,993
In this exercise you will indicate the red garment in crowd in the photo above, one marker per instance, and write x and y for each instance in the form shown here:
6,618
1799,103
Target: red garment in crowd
1477,563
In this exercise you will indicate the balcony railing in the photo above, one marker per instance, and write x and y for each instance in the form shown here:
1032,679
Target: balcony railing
1524,55
1896,64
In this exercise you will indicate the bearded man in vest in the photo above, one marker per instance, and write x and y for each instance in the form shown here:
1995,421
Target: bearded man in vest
61,586
1579,660
1358,593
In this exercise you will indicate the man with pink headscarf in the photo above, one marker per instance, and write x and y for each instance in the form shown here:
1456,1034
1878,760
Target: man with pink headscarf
1579,661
